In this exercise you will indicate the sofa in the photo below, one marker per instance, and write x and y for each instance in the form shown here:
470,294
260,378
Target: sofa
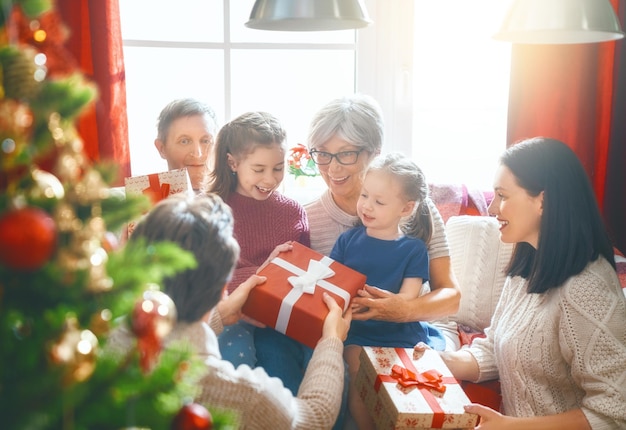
479,260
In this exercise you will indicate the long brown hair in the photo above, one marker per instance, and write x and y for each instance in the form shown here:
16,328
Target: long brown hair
238,138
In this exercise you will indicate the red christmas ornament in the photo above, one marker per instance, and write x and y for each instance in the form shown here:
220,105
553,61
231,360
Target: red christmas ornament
153,318
27,238
193,416
154,315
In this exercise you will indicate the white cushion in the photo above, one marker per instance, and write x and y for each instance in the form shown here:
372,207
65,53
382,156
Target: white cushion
479,260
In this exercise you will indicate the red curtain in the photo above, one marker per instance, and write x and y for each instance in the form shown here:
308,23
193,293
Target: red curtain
615,197
570,93
95,41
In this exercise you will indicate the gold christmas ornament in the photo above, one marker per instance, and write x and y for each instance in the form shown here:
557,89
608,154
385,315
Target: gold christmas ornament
70,262
69,167
91,188
100,323
15,117
74,143
85,242
56,131
66,218
76,350
96,222
99,281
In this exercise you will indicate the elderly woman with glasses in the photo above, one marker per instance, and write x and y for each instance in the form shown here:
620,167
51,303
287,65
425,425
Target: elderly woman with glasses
344,137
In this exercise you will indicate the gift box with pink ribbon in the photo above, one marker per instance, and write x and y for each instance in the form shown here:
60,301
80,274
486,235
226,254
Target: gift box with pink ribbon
158,186
406,393
291,300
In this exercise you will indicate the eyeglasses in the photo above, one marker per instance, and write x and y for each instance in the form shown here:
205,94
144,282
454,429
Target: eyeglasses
346,157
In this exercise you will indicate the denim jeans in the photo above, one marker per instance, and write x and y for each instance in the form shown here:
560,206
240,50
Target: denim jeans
237,344
288,359
282,357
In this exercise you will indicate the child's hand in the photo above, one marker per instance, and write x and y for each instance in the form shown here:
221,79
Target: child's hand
418,350
230,305
357,308
381,305
283,247
364,293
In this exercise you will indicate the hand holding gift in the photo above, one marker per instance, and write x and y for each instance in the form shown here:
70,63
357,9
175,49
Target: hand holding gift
337,322
283,247
230,305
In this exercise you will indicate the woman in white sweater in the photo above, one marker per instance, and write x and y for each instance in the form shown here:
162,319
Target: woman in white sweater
557,339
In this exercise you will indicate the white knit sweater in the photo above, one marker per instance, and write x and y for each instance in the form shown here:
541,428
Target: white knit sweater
260,401
561,350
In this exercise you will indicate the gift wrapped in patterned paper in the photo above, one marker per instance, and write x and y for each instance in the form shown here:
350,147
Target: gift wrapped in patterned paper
158,186
406,393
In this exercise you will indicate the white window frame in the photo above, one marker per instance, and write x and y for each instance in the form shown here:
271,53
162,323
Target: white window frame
384,69
387,74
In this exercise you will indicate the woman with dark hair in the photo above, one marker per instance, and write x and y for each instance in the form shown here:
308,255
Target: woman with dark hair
557,339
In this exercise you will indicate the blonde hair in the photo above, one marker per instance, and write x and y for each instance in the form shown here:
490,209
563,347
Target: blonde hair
414,188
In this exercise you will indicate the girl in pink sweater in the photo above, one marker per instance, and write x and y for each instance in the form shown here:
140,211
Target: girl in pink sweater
249,167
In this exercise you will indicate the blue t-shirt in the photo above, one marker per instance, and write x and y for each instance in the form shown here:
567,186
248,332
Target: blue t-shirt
386,263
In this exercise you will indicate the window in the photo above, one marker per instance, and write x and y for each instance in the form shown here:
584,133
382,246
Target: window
435,105
461,84
204,51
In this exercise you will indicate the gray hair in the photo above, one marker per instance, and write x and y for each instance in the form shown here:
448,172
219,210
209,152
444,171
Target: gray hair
356,119
182,108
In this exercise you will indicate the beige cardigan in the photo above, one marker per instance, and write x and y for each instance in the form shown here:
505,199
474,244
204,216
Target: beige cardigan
261,401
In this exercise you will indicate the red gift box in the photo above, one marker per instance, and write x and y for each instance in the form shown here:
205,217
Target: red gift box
299,311
402,393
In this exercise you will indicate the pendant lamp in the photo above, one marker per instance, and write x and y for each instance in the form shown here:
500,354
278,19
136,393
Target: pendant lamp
560,22
308,15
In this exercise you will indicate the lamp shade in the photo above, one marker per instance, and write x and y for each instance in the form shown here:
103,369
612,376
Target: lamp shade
560,22
308,15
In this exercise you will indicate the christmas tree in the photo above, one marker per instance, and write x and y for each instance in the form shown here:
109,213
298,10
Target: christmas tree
64,279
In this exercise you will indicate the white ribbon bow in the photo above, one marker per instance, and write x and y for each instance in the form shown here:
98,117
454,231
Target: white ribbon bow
315,272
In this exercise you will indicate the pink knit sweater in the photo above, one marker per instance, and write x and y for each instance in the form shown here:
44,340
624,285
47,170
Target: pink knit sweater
260,226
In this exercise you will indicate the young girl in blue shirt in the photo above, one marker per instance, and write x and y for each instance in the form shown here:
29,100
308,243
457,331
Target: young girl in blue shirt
389,247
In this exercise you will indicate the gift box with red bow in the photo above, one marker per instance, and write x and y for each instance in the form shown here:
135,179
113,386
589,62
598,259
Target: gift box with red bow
406,393
291,300
158,186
